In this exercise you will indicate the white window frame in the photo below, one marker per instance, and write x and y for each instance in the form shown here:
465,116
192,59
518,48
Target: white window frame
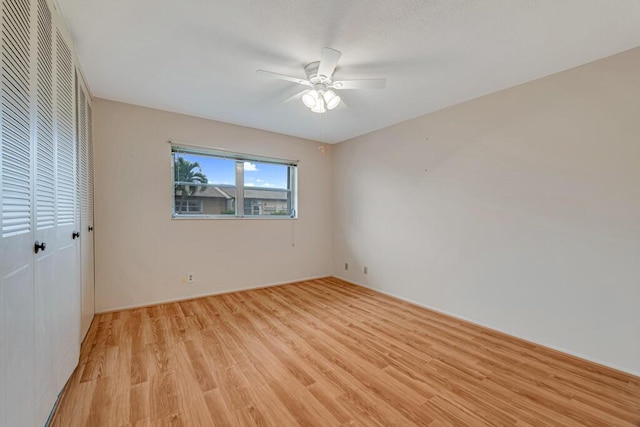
239,159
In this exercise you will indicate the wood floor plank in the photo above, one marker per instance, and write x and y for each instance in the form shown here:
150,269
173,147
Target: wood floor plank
328,353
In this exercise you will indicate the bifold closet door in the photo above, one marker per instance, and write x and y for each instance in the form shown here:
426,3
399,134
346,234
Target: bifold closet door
67,264
47,328
39,249
85,159
17,380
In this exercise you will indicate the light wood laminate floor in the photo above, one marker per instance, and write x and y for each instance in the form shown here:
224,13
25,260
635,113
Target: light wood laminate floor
328,353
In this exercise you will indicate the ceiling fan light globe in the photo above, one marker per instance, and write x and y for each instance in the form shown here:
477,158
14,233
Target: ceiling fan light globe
310,99
331,99
334,103
319,107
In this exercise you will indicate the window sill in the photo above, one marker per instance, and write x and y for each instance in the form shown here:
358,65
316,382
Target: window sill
231,217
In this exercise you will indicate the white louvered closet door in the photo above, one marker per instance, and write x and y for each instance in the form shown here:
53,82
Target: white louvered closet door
39,289
67,264
85,159
17,379
47,329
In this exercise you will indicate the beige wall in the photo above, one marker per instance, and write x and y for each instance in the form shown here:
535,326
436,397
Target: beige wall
142,255
519,210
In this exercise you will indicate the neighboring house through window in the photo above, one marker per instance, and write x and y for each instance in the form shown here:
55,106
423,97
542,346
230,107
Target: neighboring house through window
215,183
189,206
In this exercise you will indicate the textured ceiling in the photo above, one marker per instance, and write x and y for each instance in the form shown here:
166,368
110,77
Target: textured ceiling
199,57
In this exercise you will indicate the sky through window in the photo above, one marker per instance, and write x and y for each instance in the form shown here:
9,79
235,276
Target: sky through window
256,174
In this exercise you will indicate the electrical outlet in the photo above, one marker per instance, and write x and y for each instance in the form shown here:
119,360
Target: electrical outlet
366,270
191,278
346,265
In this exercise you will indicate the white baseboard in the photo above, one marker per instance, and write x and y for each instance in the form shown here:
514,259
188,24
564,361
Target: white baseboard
457,316
204,295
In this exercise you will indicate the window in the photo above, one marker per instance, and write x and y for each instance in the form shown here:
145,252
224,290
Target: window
221,184
188,206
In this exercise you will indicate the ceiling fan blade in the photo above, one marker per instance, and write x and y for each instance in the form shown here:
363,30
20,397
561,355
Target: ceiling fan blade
360,84
295,97
271,75
328,62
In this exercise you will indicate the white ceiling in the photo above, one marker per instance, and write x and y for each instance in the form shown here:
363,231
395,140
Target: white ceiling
199,57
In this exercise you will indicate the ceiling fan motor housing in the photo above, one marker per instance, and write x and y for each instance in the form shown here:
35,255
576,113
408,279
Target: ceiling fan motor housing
311,71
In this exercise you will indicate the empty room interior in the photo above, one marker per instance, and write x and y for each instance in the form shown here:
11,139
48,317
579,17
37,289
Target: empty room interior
338,213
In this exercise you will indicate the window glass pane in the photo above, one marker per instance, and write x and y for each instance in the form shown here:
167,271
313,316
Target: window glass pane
265,175
189,206
204,185
266,189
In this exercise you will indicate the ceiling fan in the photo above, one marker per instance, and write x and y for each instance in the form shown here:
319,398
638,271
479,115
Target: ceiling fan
322,96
